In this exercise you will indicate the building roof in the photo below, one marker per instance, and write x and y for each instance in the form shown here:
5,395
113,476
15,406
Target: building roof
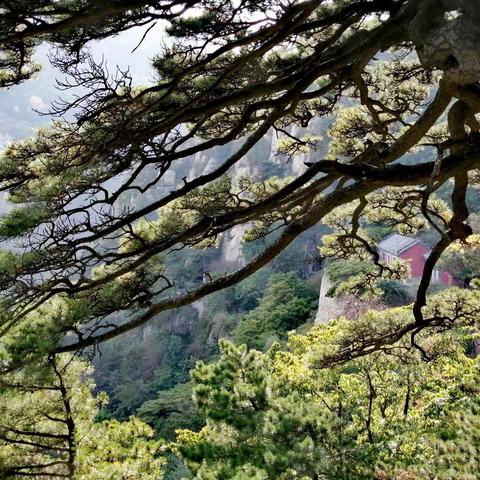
396,244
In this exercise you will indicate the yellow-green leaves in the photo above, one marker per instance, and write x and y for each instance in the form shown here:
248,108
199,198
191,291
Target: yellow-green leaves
291,146
113,449
289,414
48,428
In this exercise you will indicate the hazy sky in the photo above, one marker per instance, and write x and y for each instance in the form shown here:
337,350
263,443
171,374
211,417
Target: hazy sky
17,118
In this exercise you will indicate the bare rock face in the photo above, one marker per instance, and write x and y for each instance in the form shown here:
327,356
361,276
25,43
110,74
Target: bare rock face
348,306
447,37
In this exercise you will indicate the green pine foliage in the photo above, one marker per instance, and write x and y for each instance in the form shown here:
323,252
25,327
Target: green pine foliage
390,415
49,428
285,305
171,410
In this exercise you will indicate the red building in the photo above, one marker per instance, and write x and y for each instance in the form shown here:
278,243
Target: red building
414,252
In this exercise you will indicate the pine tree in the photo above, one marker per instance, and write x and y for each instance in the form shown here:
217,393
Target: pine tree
389,76
49,428
389,415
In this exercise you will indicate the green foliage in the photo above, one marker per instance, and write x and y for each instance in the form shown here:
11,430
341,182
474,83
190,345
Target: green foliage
248,293
176,469
136,370
231,73
340,271
456,443
358,226
395,293
349,274
463,260
378,231
133,370
171,410
125,450
290,146
21,220
220,197
48,429
35,336
285,305
388,415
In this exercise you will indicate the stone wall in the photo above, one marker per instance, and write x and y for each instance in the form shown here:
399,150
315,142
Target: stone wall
348,306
